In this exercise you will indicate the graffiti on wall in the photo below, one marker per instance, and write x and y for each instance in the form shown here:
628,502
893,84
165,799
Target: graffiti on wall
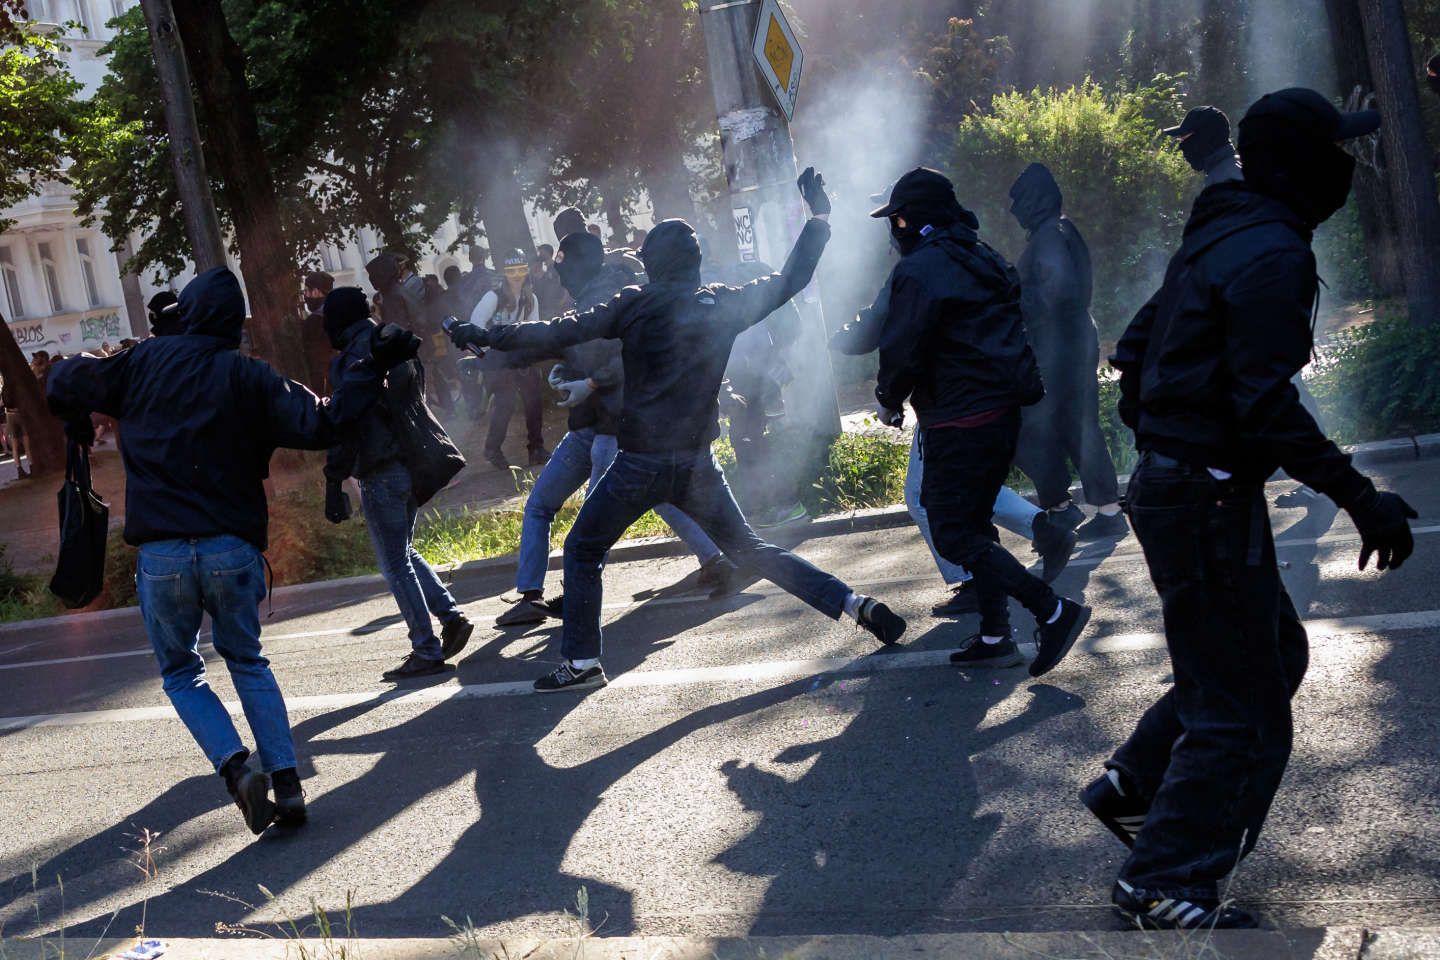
29,334
99,329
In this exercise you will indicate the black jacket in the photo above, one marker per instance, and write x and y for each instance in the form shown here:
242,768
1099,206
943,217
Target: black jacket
954,343
862,335
200,421
370,443
675,340
1206,366
600,360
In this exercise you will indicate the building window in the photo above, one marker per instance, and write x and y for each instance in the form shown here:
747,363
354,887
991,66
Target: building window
52,276
328,258
82,14
41,11
13,302
87,270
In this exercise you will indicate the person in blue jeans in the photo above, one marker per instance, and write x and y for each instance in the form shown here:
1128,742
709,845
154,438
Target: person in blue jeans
591,379
675,337
200,424
371,451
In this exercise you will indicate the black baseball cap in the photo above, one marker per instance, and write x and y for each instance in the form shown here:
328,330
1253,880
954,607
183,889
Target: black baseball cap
1203,120
1308,113
921,186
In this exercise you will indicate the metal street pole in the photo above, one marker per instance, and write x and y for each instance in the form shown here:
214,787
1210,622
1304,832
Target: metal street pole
202,226
760,166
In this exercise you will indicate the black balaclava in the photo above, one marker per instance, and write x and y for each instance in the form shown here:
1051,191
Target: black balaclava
1035,197
671,253
1432,73
344,307
1309,175
582,257
164,311
568,221
923,218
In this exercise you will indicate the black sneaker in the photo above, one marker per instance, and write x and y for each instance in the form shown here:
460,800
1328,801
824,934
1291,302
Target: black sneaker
1069,518
978,653
289,798
521,613
1054,640
498,460
880,620
964,600
554,607
566,677
1053,543
1116,804
719,577
1101,527
415,666
454,635
1149,910
252,796
538,456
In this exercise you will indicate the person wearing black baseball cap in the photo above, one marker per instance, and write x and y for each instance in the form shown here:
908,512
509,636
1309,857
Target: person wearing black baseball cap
1204,138
954,346
1206,370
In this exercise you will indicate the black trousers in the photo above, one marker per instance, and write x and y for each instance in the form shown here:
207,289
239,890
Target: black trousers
1064,429
1210,753
964,471
510,388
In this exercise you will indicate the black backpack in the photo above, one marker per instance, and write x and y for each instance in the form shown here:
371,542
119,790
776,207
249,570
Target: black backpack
431,457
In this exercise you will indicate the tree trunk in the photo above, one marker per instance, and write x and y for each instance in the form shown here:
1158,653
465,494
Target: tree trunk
662,167
134,298
44,436
502,204
202,226
615,216
233,134
1372,192
1409,167
1223,26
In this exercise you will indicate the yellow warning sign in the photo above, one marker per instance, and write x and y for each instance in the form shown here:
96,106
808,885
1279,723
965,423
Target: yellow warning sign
778,55
777,49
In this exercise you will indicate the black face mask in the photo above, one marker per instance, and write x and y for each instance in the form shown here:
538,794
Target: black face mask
905,239
1312,179
1196,152
1432,81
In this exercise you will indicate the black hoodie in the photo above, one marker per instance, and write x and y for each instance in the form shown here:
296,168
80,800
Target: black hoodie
675,336
200,421
1206,366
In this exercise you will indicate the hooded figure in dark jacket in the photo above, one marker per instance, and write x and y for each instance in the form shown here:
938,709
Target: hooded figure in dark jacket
675,338
200,424
591,379
954,346
1064,428
1206,384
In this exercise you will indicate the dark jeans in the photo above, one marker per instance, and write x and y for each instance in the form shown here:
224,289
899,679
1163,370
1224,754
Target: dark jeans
509,388
1064,428
1210,753
965,467
692,482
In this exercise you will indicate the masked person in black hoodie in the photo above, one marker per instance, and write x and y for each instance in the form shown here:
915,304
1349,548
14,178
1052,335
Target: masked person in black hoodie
1206,370
675,338
397,476
954,346
1064,427
1204,137
591,379
163,312
200,424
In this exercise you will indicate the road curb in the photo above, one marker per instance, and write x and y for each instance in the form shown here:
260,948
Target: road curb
1332,943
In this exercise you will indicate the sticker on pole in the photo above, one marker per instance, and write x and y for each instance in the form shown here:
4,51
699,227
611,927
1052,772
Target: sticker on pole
778,55
745,234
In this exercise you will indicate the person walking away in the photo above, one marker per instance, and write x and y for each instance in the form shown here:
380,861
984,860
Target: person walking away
385,463
1206,369
1204,138
14,427
591,378
517,381
200,424
675,337
1051,541
1064,427
954,346
318,285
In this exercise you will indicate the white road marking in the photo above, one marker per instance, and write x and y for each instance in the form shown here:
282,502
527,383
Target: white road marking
775,670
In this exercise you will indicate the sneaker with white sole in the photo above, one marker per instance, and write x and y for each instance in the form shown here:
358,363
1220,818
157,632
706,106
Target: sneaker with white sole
566,677
1150,910
977,653
1117,804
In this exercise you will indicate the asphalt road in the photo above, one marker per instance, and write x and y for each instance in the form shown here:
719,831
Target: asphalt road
753,769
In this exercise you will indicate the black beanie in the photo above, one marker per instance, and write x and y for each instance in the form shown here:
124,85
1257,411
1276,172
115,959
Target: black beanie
344,307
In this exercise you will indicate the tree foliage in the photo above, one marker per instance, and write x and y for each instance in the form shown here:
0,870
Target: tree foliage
37,115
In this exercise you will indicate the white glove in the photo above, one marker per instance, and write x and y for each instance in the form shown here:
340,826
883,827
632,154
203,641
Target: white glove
578,392
890,418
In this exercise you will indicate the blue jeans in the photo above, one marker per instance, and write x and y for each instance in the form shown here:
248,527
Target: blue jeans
178,581
390,517
582,455
1011,511
636,482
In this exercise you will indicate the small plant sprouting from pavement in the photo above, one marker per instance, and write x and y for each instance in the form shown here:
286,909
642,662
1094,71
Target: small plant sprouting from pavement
472,946
334,943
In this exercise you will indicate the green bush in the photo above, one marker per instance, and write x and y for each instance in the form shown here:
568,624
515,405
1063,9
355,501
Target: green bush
1126,186
861,471
1377,381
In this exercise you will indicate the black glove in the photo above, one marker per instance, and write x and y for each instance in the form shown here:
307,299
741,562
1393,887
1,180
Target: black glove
1382,519
391,345
81,431
812,188
471,367
468,334
337,503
